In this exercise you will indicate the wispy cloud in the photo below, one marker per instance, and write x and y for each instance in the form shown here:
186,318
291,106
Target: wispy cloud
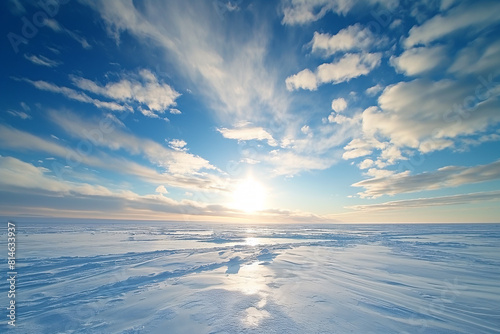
42,61
174,161
445,177
307,11
419,60
57,27
430,202
20,114
470,15
230,71
75,95
25,142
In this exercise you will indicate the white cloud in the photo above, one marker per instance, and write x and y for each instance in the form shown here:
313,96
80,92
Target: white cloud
183,178
290,163
161,189
354,37
339,104
42,61
305,129
25,106
231,71
248,133
365,164
359,147
450,176
306,11
56,26
396,23
480,57
145,90
17,173
419,60
348,67
374,90
472,16
175,162
74,95
431,201
305,79
178,144
20,114
175,111
425,116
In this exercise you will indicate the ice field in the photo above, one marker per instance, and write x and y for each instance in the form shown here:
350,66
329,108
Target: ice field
219,278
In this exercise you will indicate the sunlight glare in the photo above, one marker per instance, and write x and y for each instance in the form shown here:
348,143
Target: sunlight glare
249,196
251,241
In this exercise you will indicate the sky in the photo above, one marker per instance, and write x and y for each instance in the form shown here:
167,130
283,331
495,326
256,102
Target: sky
369,111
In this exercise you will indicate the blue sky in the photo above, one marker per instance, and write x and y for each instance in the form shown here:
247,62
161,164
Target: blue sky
272,111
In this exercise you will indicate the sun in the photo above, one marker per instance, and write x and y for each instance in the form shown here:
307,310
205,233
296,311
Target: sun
249,196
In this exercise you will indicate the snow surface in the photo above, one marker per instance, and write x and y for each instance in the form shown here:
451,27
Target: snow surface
219,278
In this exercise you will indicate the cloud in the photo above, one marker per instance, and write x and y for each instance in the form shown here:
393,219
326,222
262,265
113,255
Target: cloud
374,90
174,111
289,163
248,133
57,27
474,16
20,114
307,11
365,164
348,67
16,173
419,60
145,90
22,141
354,37
178,144
357,148
52,197
339,104
74,95
431,201
305,79
175,162
161,190
445,177
479,57
42,61
230,70
428,115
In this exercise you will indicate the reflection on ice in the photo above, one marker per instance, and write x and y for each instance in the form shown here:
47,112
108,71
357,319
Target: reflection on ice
251,241
254,317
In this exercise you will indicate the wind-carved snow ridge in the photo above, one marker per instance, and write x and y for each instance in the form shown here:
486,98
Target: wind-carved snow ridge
178,278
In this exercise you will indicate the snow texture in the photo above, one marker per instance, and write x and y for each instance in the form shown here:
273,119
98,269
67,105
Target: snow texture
220,278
